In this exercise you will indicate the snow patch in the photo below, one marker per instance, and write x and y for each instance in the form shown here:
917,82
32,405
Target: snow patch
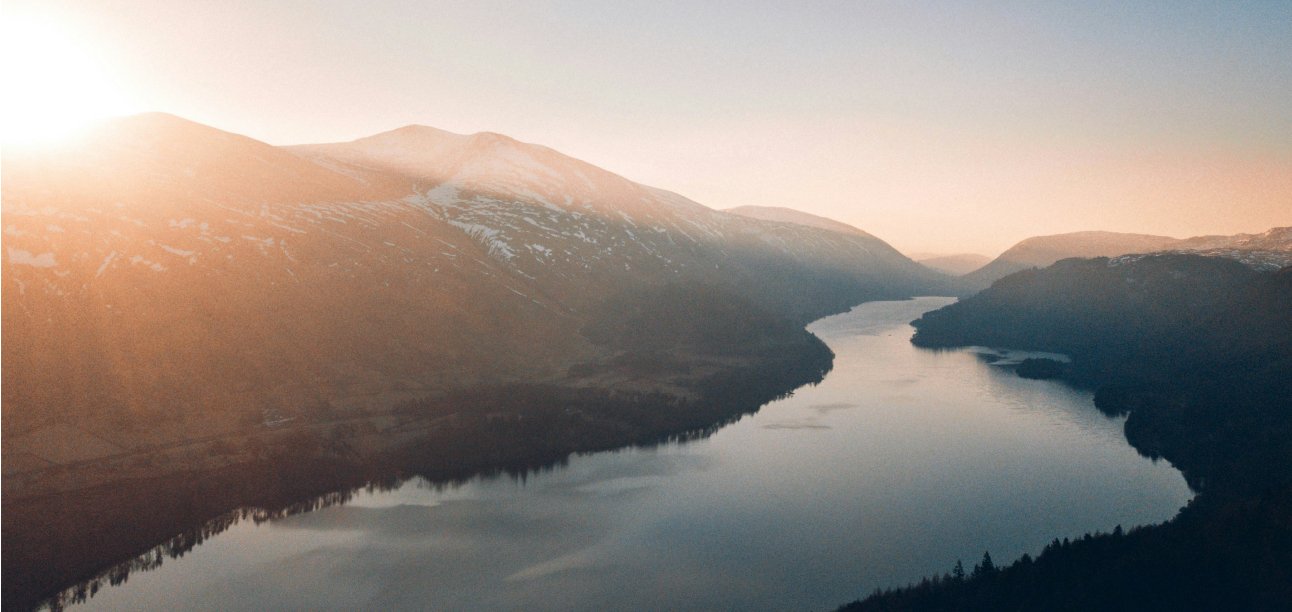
107,261
175,251
487,236
19,257
152,265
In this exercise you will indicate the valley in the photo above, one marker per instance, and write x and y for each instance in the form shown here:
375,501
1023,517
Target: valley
584,306
603,529
433,305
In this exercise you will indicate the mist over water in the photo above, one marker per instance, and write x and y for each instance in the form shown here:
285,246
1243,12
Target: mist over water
900,462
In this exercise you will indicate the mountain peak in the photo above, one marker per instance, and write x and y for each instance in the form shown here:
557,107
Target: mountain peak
414,135
424,152
493,137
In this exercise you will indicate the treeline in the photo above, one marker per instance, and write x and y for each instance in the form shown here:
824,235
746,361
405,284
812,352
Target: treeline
1231,556
1197,352
97,537
518,427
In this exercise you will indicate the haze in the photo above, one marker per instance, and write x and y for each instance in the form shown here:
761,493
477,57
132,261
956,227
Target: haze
936,127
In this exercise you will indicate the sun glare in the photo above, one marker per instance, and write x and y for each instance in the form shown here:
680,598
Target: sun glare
54,83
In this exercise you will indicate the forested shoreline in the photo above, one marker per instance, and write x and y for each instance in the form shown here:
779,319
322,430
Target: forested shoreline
63,547
1197,353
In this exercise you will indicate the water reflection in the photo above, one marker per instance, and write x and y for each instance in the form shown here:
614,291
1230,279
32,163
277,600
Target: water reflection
900,462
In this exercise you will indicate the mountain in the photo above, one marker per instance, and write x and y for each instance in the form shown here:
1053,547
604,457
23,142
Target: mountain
180,302
956,265
1276,239
568,224
1272,249
1041,251
167,282
1269,250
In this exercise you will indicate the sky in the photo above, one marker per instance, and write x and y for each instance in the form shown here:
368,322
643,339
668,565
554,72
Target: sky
939,126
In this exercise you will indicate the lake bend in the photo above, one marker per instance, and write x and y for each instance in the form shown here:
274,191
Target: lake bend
901,461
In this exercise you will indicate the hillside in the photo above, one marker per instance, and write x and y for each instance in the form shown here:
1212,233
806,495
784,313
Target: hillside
167,278
166,282
577,229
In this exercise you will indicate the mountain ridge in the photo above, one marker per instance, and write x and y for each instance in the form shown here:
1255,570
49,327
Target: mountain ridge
782,214
139,269
1041,251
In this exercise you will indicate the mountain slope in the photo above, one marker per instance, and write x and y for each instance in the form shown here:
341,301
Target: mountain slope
216,280
575,227
165,281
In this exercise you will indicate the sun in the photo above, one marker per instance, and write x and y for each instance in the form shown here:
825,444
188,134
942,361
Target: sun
54,82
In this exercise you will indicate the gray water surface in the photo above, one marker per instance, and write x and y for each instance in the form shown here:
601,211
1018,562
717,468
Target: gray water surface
902,461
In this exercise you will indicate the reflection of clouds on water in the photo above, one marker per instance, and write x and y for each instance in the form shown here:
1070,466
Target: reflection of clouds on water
618,486
796,425
905,380
451,520
579,559
824,409
632,469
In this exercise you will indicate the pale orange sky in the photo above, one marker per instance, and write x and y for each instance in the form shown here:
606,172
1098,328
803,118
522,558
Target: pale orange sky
940,128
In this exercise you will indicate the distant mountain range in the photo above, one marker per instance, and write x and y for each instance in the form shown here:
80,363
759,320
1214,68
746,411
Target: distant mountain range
956,265
1270,250
165,280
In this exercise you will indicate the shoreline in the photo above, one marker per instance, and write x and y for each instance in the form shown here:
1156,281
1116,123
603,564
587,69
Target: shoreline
103,531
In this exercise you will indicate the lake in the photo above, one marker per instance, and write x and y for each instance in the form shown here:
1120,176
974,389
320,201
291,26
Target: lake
900,462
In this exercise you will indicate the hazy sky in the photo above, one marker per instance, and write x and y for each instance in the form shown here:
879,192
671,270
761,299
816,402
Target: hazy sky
939,126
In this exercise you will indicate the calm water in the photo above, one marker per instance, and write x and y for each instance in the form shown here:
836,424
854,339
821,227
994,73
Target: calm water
900,462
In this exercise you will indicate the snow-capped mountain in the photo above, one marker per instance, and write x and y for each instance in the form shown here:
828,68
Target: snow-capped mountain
166,268
1041,251
567,223
1266,250
167,272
